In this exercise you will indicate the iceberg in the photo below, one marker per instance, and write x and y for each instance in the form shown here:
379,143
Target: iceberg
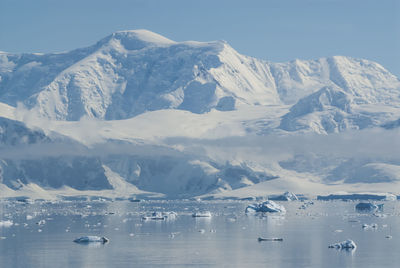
7,223
160,216
358,196
367,206
267,206
348,244
91,239
206,214
260,239
286,196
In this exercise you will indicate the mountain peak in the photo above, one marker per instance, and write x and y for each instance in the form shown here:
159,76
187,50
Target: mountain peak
137,39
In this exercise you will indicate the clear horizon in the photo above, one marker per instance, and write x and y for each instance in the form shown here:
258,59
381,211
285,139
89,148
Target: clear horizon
277,31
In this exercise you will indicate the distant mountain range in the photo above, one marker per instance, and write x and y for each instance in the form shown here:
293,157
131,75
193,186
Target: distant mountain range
139,90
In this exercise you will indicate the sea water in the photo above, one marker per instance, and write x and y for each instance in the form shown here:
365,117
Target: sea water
42,235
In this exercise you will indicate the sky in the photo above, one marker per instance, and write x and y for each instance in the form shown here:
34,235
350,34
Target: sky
274,30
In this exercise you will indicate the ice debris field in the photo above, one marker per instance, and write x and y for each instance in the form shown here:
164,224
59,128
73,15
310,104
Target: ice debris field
348,226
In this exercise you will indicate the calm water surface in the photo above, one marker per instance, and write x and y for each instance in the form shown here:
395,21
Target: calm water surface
228,239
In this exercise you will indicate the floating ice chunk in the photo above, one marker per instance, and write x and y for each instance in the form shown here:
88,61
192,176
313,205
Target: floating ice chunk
170,215
380,215
91,239
206,214
41,222
306,204
351,220
348,244
286,196
367,206
269,239
29,217
267,206
7,223
371,226
154,216
160,216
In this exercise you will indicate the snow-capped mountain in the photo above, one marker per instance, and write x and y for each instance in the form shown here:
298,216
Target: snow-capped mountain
131,72
141,113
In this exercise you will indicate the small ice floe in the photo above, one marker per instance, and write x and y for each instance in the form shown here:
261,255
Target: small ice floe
303,206
41,222
267,206
231,219
388,237
351,220
348,244
6,223
369,207
380,215
91,239
306,204
286,196
201,214
131,234
269,239
40,230
338,231
29,217
370,226
202,231
172,235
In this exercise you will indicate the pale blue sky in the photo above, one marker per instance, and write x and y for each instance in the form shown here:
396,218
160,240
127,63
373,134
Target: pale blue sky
275,30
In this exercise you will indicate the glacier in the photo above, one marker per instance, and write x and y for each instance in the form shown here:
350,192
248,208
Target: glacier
138,114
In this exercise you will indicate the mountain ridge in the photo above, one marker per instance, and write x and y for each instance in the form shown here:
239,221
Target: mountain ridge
131,72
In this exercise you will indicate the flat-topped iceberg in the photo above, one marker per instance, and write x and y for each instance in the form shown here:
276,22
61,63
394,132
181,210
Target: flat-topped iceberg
367,206
267,206
286,196
348,244
358,196
201,214
91,239
160,216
